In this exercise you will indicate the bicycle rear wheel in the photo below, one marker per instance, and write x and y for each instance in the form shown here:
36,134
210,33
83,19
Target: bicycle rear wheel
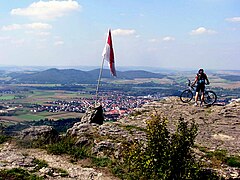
210,97
186,96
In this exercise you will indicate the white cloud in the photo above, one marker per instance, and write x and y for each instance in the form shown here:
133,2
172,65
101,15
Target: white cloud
37,26
32,26
233,19
4,38
153,40
18,41
43,33
12,27
47,10
168,38
123,32
38,33
202,30
58,43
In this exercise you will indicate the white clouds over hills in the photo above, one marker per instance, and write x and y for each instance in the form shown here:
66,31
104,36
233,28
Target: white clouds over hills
47,10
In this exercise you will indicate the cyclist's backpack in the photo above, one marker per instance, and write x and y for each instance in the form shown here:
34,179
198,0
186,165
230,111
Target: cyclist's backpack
201,78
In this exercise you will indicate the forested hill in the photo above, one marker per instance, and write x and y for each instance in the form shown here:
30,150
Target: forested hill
70,76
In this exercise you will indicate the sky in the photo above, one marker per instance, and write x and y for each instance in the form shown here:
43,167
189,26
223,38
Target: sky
182,34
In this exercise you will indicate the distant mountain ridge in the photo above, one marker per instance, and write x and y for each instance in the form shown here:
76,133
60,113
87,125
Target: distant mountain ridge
71,76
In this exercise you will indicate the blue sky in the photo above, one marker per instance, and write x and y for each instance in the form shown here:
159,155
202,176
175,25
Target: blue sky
184,34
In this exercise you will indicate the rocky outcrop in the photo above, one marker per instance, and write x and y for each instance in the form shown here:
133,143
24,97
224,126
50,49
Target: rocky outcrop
219,128
57,167
93,115
46,133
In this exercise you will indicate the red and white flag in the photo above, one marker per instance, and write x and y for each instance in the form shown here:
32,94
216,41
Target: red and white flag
108,54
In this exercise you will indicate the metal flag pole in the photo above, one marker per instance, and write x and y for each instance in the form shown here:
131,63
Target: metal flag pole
99,80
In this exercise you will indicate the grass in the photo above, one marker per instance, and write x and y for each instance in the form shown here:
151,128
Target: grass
17,174
7,97
3,139
233,161
30,117
40,164
101,161
67,146
62,172
43,93
220,156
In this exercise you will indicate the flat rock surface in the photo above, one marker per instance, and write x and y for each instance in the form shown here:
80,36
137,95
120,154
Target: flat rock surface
12,156
219,126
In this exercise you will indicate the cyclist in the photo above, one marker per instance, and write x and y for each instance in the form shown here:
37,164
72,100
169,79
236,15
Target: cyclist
200,79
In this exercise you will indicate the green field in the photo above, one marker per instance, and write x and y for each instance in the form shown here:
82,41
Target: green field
41,97
23,101
7,97
30,117
48,115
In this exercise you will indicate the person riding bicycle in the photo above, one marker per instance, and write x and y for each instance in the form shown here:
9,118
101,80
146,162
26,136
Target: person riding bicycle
200,79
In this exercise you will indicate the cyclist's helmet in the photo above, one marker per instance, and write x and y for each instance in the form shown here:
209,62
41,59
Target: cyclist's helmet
200,71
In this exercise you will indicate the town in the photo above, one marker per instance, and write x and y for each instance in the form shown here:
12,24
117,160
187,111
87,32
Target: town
115,106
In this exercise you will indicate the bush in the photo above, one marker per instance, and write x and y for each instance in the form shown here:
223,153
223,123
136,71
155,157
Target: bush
40,164
17,173
101,161
67,146
3,139
165,155
233,161
222,157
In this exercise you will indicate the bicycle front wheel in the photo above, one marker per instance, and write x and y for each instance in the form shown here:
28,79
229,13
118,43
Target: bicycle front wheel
210,97
186,96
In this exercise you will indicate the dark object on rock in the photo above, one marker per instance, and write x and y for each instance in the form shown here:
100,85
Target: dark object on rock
97,116
94,115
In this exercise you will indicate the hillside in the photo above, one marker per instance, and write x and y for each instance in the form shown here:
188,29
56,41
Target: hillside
71,76
217,140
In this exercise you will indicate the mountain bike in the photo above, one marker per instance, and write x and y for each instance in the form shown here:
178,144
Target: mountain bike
186,96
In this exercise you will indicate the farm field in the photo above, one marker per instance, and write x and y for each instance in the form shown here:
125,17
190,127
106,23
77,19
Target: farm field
20,108
39,116
7,97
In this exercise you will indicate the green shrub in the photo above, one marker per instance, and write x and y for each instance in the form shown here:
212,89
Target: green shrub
222,157
3,138
67,146
62,172
101,161
233,161
40,164
17,174
165,155
219,154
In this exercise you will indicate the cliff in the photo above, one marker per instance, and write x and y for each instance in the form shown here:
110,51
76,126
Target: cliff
218,131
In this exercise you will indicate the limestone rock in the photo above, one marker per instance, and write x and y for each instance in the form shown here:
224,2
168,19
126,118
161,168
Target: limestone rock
79,129
93,115
48,133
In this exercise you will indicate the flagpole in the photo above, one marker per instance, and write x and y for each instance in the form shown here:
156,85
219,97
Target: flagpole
99,80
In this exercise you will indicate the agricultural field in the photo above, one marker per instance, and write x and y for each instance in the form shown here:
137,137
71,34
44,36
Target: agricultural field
17,107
